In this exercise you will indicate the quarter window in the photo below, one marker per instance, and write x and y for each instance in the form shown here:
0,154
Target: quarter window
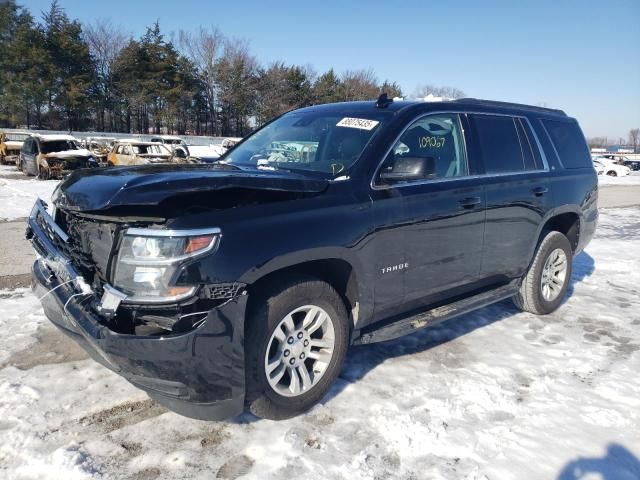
438,140
499,143
569,142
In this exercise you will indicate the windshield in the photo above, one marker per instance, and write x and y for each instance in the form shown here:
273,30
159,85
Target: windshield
52,146
323,142
150,150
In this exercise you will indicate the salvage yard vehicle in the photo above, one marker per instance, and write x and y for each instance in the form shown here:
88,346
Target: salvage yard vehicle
173,143
53,156
138,152
10,145
99,147
241,284
605,166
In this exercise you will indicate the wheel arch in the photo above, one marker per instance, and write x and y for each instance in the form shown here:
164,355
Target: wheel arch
566,220
336,271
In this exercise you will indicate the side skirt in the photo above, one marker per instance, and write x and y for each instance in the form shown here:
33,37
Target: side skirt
427,318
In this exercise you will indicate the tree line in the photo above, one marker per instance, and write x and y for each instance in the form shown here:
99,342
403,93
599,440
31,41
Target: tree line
57,73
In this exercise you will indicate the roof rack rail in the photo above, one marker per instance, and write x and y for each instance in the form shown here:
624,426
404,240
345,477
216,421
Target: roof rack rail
494,103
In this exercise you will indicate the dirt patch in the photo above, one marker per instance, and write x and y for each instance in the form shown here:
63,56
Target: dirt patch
51,347
235,467
150,473
128,413
11,282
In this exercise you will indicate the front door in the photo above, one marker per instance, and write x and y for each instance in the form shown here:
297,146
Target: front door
438,227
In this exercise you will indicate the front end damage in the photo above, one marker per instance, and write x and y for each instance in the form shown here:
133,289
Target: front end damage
58,164
187,355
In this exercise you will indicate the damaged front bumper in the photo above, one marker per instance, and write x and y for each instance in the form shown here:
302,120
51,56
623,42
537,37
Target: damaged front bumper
199,373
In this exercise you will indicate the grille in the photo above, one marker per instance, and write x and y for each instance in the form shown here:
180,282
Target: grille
220,291
90,244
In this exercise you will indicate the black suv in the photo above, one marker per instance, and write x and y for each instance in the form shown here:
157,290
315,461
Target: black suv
241,284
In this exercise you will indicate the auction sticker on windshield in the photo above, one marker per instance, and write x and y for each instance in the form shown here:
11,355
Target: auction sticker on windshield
361,123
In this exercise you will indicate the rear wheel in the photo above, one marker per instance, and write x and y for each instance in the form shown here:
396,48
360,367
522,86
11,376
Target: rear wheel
545,283
612,173
296,342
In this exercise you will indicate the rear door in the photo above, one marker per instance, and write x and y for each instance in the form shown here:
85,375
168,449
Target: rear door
439,221
518,192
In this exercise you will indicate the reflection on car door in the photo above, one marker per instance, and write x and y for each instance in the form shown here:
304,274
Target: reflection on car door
435,224
29,154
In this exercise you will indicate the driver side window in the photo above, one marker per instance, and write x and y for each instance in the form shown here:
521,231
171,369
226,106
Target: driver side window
432,146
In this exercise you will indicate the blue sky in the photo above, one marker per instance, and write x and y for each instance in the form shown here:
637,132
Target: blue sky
581,56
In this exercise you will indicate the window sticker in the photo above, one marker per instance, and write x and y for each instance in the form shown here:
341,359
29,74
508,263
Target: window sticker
431,142
359,123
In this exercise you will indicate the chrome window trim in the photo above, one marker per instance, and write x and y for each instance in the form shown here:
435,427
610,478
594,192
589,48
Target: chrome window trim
553,145
374,186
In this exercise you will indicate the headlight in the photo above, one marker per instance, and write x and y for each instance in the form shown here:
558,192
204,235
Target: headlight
149,259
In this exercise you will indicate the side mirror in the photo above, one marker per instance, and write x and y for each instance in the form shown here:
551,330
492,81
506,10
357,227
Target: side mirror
405,169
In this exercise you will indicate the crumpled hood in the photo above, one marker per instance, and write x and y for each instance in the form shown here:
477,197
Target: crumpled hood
103,188
69,154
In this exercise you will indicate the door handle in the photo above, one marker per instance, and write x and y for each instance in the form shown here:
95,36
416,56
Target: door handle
539,191
469,202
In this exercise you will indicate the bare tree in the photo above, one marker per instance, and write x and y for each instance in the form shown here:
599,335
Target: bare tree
204,49
236,75
634,138
444,92
105,43
359,85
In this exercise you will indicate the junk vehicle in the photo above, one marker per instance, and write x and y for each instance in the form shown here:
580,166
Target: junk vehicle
53,156
99,147
241,284
138,152
10,145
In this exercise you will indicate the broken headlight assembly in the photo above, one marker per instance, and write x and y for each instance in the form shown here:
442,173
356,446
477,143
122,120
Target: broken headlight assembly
149,259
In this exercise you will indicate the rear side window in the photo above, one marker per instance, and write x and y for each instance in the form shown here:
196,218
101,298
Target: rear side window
569,142
499,143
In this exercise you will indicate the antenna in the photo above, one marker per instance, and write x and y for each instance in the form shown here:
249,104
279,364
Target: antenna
383,101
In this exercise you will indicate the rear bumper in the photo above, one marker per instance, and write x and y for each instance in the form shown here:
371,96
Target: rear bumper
199,374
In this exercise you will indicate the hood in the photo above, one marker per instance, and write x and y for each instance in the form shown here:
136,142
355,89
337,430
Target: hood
145,185
69,154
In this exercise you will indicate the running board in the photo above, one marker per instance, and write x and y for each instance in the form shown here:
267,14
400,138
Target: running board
431,317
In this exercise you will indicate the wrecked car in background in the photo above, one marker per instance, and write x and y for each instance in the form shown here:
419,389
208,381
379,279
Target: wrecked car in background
53,156
99,147
173,143
10,145
138,152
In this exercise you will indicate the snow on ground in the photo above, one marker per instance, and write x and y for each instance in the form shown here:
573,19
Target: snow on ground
18,195
632,179
10,170
495,394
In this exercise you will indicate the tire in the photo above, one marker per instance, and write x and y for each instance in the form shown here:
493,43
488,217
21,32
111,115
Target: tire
265,400
533,296
612,173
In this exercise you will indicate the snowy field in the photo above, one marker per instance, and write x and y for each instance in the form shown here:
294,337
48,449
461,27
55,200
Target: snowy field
18,193
495,394
632,179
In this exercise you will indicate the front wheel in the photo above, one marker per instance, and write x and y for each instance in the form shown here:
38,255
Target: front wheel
612,173
296,341
545,283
